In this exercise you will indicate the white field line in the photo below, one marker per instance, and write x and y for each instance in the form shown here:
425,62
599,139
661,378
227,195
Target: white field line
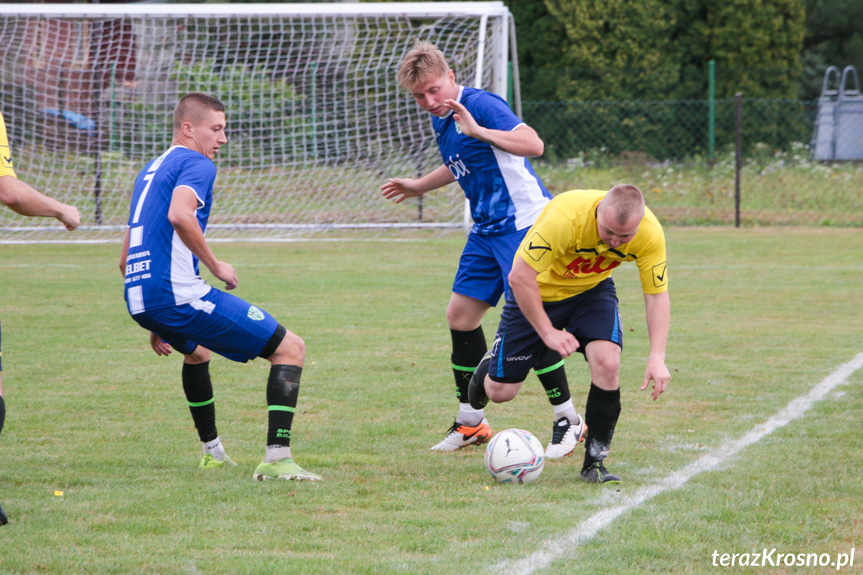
562,546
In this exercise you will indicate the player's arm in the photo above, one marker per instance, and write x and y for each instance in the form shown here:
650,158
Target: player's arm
522,282
181,214
159,346
27,201
522,141
124,253
658,310
403,188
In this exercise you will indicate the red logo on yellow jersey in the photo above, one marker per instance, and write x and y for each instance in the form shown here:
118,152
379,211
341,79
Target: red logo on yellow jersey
583,266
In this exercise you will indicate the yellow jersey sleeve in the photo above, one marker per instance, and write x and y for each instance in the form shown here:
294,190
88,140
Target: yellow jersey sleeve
6,168
649,247
547,239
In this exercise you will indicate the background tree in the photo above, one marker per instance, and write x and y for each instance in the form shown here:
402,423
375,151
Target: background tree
659,49
834,37
541,37
756,44
615,49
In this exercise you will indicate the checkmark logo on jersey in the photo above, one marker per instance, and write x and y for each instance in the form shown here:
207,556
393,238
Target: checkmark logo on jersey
5,157
660,274
537,247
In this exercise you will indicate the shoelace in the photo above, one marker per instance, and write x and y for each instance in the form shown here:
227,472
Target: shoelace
558,432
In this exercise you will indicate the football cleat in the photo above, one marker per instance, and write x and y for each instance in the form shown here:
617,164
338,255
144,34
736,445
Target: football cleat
283,469
564,437
597,473
461,435
210,462
3,519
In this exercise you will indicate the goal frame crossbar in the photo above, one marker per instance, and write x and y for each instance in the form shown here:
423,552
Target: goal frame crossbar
493,16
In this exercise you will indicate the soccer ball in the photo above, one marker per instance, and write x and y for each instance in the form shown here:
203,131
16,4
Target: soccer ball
514,456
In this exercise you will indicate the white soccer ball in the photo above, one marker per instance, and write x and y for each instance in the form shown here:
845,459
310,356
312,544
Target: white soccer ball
514,456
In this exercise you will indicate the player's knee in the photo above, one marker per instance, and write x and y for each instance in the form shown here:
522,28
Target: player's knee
291,350
501,392
465,313
604,359
296,343
609,363
200,355
457,320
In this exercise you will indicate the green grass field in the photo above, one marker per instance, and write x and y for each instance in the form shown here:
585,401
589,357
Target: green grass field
760,316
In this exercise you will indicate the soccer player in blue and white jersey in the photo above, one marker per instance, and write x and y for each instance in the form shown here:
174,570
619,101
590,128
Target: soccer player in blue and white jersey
163,245
27,201
484,147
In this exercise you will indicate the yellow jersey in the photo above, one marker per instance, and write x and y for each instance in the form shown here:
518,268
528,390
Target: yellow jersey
565,249
6,168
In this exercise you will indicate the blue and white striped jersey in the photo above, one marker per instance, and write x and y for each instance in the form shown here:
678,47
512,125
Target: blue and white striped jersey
161,272
504,192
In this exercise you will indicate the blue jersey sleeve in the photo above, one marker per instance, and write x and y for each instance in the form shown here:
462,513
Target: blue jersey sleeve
199,175
491,111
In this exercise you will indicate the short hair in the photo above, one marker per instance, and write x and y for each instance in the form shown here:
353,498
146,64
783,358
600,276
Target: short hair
425,61
627,200
193,106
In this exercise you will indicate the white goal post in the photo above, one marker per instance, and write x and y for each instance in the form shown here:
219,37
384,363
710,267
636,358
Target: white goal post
316,119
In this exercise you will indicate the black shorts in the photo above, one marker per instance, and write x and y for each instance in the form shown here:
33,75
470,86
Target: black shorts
589,316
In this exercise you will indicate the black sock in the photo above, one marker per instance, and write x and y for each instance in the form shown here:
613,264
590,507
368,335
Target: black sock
552,376
2,412
600,415
468,347
283,391
199,393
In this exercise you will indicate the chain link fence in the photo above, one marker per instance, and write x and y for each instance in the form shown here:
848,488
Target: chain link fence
698,171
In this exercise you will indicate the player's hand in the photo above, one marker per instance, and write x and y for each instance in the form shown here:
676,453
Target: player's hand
658,373
562,342
159,345
465,120
71,217
401,189
225,272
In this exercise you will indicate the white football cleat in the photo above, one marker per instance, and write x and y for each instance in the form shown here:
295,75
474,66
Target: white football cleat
460,435
564,437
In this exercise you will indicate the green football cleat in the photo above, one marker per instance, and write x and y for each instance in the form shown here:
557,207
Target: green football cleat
210,462
283,469
597,473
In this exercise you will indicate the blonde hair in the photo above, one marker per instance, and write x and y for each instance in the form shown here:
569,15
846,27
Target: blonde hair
192,108
422,63
627,200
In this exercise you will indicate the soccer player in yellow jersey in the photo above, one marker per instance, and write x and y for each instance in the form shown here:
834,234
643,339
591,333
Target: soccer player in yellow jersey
563,298
24,200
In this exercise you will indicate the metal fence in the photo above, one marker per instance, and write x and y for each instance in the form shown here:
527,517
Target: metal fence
748,161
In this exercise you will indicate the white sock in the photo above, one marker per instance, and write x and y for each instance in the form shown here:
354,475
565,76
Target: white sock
277,452
469,416
215,448
566,409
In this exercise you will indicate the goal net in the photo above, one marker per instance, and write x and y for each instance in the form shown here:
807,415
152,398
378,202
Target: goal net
316,119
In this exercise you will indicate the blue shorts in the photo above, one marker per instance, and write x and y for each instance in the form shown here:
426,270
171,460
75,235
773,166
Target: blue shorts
589,316
219,321
485,264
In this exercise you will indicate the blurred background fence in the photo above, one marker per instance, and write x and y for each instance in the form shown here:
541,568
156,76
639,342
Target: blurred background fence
687,165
